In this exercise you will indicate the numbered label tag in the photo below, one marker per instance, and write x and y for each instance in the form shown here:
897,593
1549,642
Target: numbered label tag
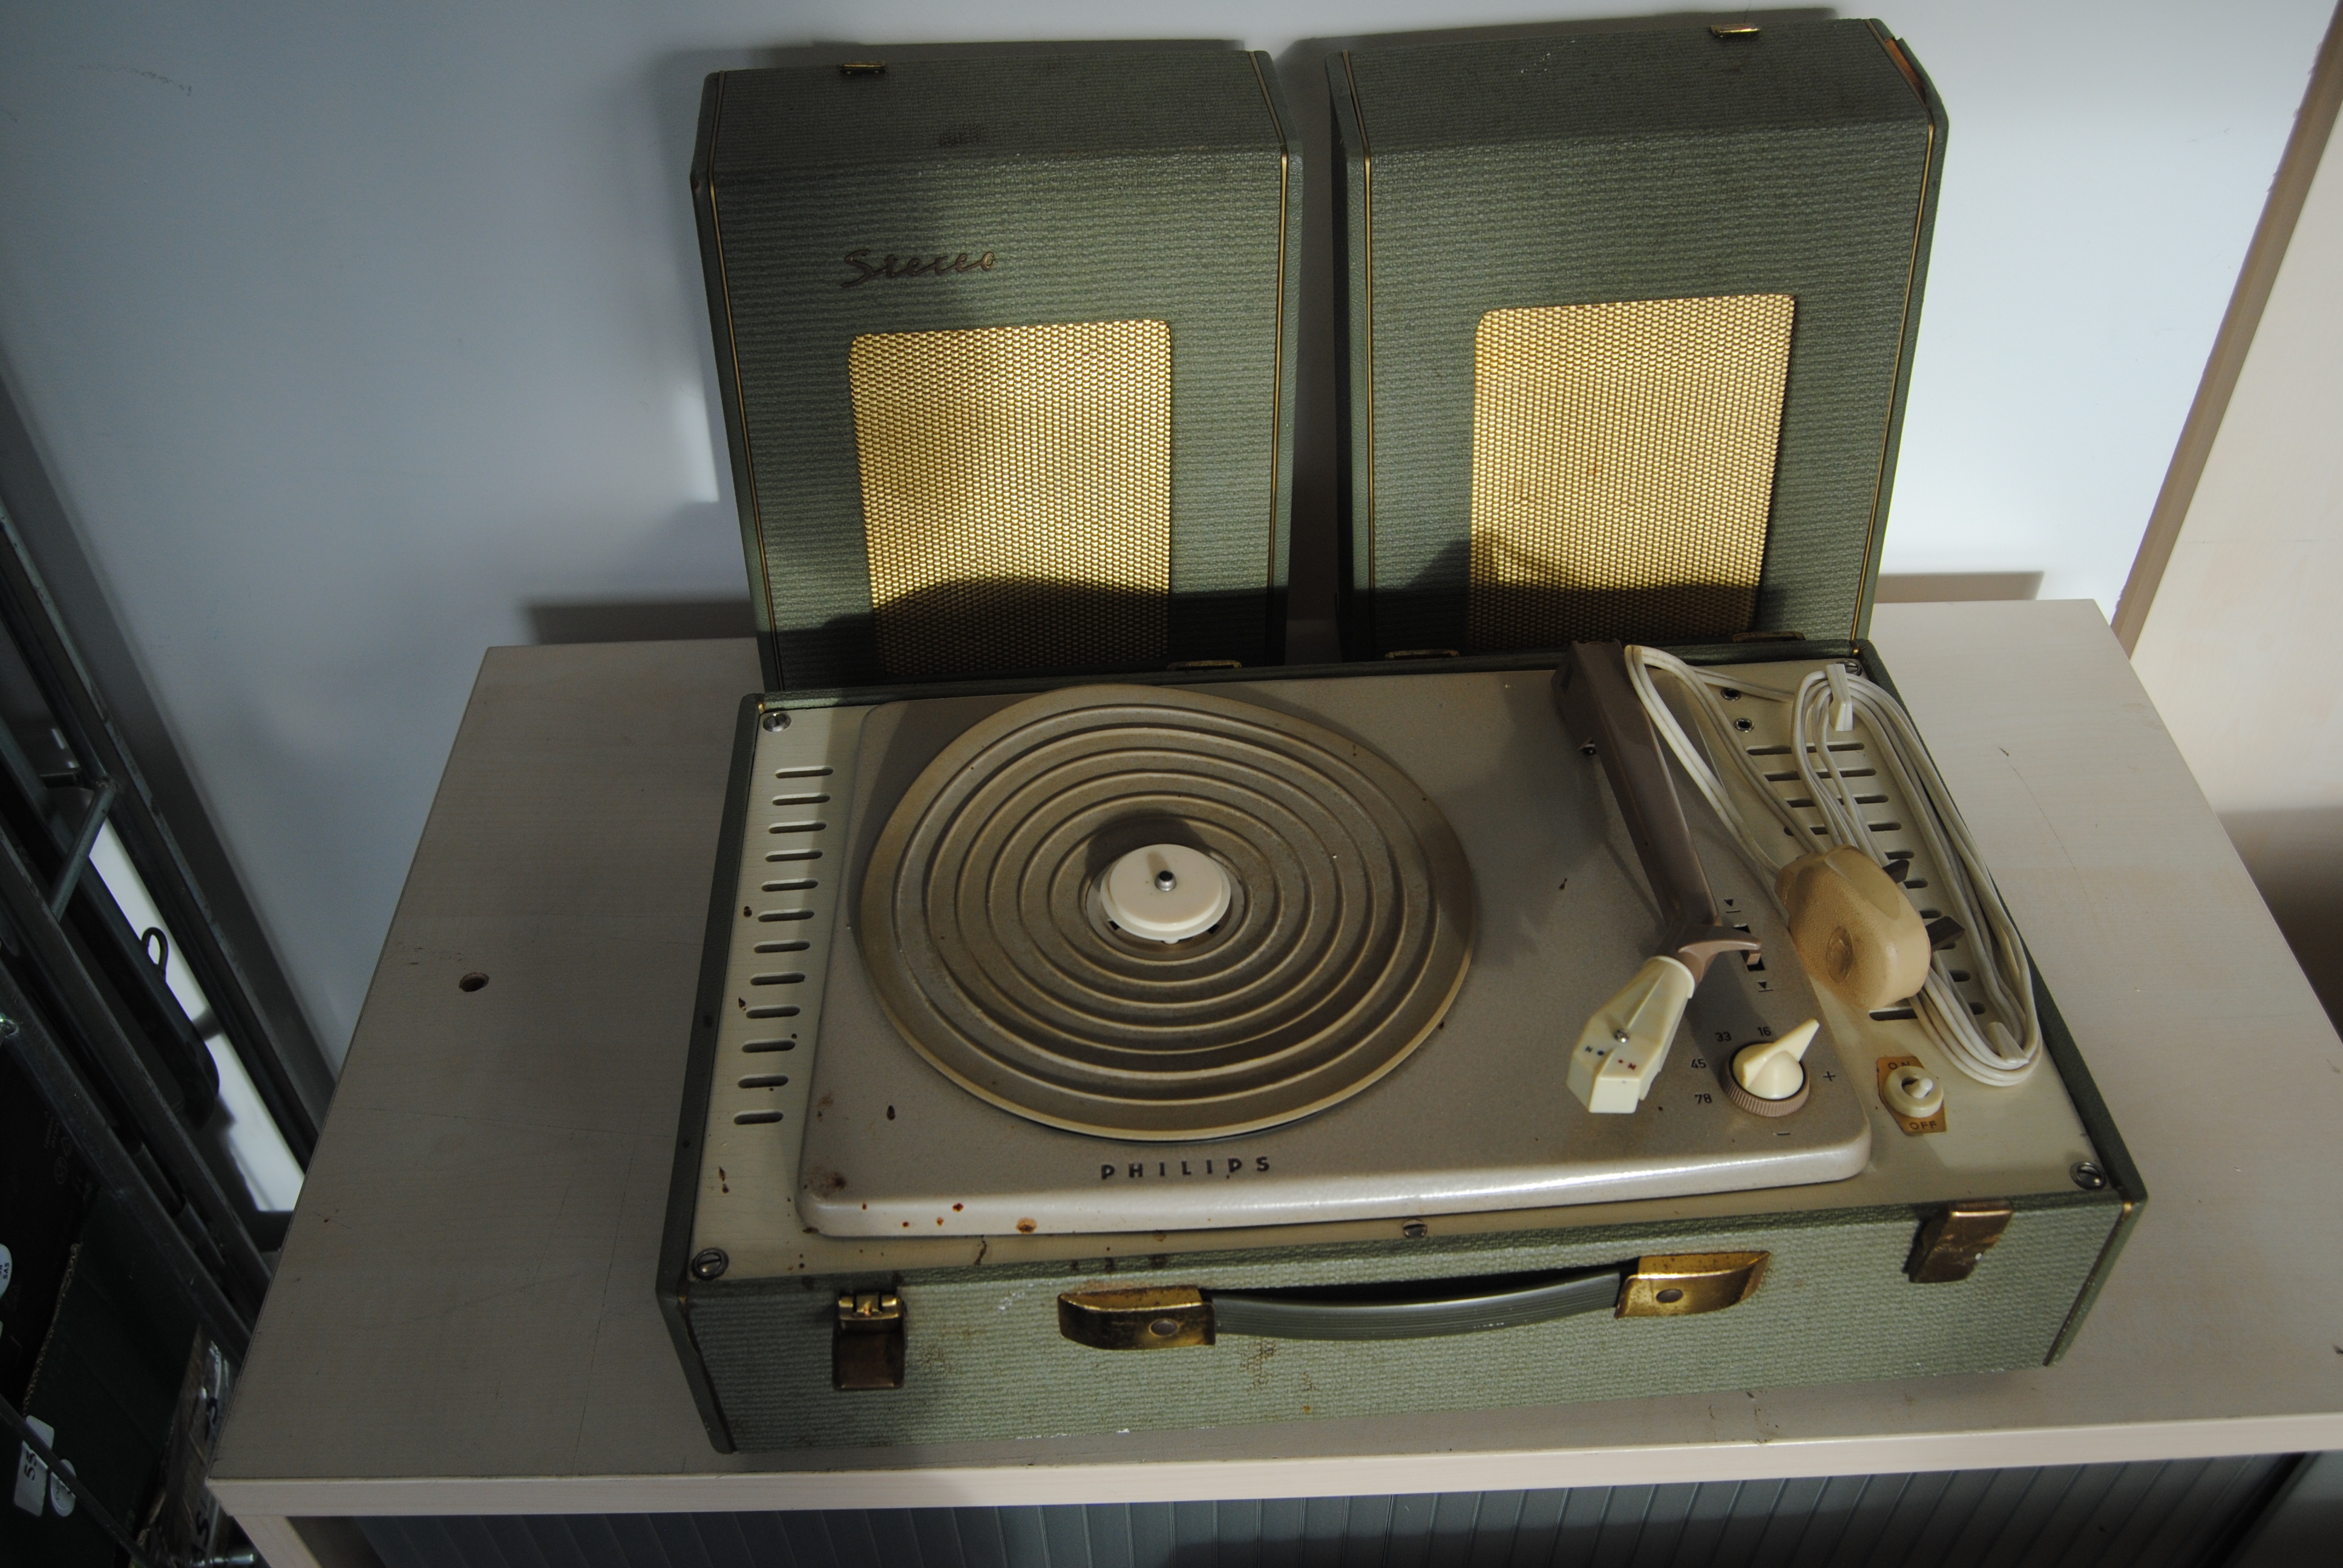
32,1475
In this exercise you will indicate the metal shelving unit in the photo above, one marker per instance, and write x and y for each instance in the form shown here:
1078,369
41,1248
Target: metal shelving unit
128,1083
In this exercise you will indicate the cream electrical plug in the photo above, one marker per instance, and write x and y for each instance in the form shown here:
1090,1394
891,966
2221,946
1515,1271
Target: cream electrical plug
1854,930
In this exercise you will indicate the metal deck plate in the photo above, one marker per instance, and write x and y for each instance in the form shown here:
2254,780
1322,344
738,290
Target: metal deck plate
1478,1119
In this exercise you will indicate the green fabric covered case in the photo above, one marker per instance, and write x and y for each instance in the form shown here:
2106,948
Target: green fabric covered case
751,1290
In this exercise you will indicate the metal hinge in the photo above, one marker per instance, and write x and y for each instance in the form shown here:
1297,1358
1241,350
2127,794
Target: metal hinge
1952,1241
866,1344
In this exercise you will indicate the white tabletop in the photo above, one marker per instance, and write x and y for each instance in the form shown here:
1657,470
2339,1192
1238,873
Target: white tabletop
464,1319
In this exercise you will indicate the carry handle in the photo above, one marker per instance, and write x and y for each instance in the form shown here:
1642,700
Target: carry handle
1171,1316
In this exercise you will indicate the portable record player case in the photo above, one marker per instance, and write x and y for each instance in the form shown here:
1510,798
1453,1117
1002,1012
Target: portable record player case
790,1336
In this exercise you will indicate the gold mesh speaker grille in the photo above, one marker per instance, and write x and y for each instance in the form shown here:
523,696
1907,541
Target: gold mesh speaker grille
1016,494
1623,467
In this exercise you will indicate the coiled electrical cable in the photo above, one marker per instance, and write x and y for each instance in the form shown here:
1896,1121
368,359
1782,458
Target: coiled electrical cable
2006,1045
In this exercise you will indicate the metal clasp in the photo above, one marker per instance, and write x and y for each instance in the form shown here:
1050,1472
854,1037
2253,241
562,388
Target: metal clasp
1951,1242
866,1346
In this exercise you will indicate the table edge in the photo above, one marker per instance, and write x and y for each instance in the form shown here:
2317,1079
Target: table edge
1329,1475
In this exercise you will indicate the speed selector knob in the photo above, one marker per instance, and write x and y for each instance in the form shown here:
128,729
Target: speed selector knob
1769,1079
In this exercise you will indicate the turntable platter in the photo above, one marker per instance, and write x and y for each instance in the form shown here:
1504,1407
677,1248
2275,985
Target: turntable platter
1347,928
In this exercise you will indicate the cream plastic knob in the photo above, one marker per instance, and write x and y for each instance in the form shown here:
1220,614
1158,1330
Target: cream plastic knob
1911,1092
1165,892
1855,931
1775,1068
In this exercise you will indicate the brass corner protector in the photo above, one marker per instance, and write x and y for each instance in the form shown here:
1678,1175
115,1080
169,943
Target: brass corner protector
862,67
1952,1240
1733,29
866,1341
1678,1285
1136,1320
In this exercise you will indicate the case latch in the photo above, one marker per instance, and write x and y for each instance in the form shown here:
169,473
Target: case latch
866,1346
1952,1240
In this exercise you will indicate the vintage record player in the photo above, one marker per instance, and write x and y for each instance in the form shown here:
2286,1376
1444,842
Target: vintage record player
1115,1042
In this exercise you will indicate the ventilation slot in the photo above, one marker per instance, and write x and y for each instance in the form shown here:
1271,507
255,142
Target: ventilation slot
796,827
751,1118
799,886
764,1080
800,800
782,947
801,772
775,1011
791,979
760,1045
786,915
794,855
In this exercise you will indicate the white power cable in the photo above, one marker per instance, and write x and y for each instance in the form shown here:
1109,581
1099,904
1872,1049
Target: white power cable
1833,700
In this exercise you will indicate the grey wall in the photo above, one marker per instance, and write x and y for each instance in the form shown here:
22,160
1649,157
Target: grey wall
355,335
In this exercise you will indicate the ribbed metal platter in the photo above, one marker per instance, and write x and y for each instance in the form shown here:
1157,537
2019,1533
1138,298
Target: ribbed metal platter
1348,933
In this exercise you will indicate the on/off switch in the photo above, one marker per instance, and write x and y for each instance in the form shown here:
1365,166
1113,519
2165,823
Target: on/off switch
1912,1093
